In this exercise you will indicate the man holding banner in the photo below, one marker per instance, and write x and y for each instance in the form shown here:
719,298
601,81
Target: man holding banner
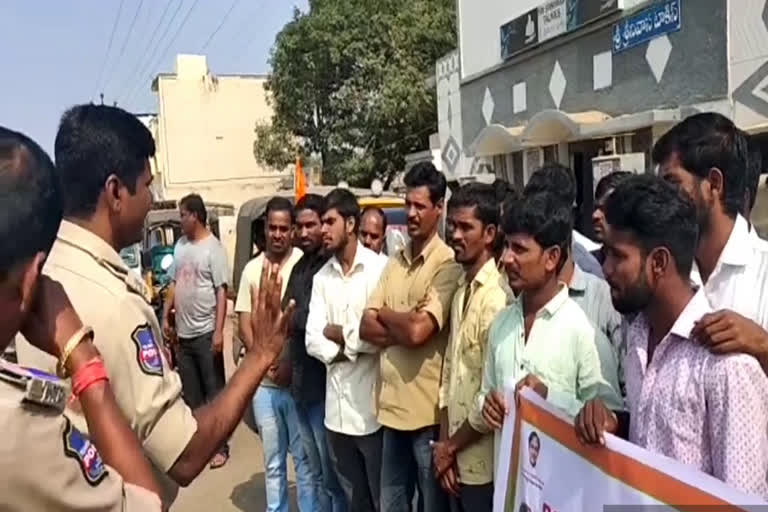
543,340
705,410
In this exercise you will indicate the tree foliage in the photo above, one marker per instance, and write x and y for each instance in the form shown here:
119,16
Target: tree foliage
349,82
274,145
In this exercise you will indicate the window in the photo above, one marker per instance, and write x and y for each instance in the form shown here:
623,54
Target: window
500,165
550,154
518,173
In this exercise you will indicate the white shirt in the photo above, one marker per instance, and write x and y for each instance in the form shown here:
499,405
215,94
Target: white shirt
585,242
740,279
252,277
338,299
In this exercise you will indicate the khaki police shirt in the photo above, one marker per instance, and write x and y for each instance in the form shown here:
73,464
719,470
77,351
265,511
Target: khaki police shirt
48,464
113,301
410,377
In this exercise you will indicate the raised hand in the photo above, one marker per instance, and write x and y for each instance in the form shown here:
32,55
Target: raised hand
268,321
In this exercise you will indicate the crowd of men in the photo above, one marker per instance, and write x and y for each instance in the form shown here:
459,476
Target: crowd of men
382,376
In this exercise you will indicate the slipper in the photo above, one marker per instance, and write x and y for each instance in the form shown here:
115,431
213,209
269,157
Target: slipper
219,460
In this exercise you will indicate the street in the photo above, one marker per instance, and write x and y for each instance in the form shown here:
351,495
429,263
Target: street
238,486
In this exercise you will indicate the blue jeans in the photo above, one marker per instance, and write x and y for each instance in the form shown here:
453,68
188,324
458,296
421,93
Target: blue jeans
312,431
275,413
407,456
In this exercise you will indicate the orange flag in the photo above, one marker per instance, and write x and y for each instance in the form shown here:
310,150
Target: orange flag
300,181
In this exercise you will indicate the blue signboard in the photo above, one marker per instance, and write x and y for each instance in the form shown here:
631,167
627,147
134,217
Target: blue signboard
659,19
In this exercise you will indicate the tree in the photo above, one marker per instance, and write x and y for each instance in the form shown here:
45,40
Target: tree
274,145
349,82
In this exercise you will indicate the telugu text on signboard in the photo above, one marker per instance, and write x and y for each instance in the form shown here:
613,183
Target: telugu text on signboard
648,24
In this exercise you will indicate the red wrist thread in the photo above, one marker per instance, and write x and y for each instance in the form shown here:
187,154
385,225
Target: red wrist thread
87,375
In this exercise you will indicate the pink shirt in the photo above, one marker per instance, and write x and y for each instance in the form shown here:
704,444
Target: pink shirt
706,410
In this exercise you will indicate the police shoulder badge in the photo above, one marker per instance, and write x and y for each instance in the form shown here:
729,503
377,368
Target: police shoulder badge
147,351
80,448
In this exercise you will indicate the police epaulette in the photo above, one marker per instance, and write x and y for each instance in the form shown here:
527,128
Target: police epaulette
39,387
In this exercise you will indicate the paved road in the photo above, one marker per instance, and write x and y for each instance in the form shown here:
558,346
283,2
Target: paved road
238,486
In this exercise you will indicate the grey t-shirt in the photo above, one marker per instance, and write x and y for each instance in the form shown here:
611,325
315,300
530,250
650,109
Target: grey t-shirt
199,269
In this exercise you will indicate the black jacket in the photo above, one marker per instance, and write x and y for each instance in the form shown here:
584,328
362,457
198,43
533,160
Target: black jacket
308,379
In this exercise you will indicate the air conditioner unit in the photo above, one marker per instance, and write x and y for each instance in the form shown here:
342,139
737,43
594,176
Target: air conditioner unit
605,165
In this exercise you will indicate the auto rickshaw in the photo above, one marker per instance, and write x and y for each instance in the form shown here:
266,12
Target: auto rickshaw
162,229
250,223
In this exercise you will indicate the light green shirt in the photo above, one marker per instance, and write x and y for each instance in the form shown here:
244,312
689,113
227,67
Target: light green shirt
560,351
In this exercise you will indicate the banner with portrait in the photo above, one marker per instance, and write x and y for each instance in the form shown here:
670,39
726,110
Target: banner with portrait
542,467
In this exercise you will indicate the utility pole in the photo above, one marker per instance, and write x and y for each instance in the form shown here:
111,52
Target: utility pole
102,98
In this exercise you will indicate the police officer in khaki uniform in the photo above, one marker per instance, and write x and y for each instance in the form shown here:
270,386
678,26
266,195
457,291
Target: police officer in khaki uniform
102,160
47,463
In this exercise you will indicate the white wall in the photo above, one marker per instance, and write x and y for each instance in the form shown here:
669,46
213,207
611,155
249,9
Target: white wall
206,132
479,23
449,126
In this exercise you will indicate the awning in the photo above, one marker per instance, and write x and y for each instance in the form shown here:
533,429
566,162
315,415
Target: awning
550,127
630,122
554,126
497,139
757,128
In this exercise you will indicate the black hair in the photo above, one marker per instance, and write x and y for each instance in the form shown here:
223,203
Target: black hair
314,202
533,436
657,215
707,141
480,196
344,202
609,182
754,169
556,179
424,174
93,142
504,191
279,204
379,212
31,198
545,217
193,203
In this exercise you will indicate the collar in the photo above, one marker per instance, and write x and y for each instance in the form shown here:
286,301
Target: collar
697,307
359,261
488,273
738,248
585,242
578,280
72,234
80,238
551,307
428,249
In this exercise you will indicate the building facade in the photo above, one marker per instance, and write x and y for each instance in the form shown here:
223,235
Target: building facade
593,84
204,131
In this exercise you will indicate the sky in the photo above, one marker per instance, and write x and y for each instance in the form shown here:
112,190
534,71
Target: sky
58,53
